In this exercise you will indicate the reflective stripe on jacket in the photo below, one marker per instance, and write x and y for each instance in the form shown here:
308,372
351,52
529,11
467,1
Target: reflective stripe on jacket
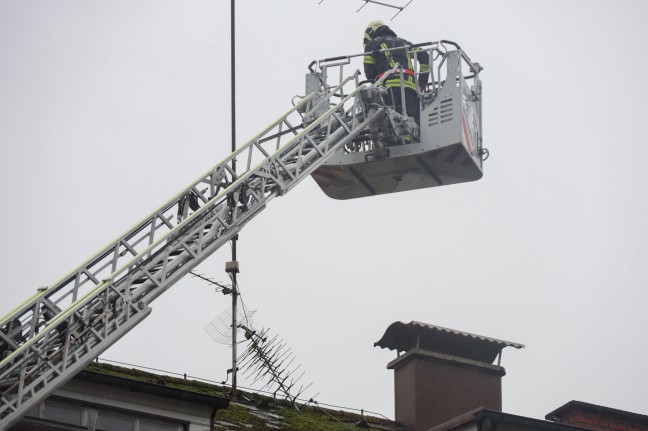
377,63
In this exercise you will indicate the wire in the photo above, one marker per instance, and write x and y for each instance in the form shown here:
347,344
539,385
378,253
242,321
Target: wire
247,318
257,391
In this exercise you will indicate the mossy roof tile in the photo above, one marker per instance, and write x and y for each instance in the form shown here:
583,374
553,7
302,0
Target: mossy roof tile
245,416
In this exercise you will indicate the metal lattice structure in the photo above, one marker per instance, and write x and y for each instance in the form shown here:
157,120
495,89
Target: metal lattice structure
51,336
341,132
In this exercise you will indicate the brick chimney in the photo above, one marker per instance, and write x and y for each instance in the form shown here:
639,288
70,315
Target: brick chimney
441,373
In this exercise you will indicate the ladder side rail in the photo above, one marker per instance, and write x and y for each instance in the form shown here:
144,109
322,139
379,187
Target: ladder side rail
306,159
55,323
36,300
339,144
319,149
82,270
35,384
89,337
128,234
46,303
295,168
103,263
35,368
332,91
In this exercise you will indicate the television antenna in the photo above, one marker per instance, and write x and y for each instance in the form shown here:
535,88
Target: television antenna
220,328
268,360
400,8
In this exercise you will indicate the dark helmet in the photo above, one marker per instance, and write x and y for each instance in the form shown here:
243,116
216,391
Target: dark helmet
371,31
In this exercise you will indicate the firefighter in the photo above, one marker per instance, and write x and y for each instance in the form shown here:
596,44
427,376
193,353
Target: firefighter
378,37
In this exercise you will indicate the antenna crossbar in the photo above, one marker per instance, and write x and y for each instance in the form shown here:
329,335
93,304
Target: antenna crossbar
400,8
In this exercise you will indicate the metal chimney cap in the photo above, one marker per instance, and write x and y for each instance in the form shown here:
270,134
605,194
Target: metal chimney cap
402,337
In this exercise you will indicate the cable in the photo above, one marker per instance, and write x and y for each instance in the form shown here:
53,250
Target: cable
257,391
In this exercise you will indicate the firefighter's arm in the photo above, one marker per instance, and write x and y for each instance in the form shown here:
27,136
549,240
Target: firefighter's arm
370,66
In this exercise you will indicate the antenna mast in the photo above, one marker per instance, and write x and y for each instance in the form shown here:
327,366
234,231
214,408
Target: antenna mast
232,267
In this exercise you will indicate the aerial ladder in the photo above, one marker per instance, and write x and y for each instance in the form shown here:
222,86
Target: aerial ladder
341,133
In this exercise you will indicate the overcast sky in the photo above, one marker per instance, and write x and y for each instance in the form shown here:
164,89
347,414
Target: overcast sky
108,108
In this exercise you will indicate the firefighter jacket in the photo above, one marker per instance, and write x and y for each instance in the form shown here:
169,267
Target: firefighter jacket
376,63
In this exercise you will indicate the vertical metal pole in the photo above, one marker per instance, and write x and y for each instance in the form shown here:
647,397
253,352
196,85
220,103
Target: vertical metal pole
233,77
402,91
234,283
234,329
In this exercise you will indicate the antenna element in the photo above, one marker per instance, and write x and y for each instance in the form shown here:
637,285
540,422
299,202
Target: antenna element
400,8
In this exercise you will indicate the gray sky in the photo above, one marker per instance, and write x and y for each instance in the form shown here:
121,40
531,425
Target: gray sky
107,108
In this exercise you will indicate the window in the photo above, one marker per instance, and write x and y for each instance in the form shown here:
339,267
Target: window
145,425
96,419
113,422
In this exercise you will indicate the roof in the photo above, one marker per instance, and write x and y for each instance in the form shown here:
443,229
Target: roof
99,373
402,337
571,406
252,411
510,422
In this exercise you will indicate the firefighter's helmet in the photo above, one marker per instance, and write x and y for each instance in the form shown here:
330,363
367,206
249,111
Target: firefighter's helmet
371,30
